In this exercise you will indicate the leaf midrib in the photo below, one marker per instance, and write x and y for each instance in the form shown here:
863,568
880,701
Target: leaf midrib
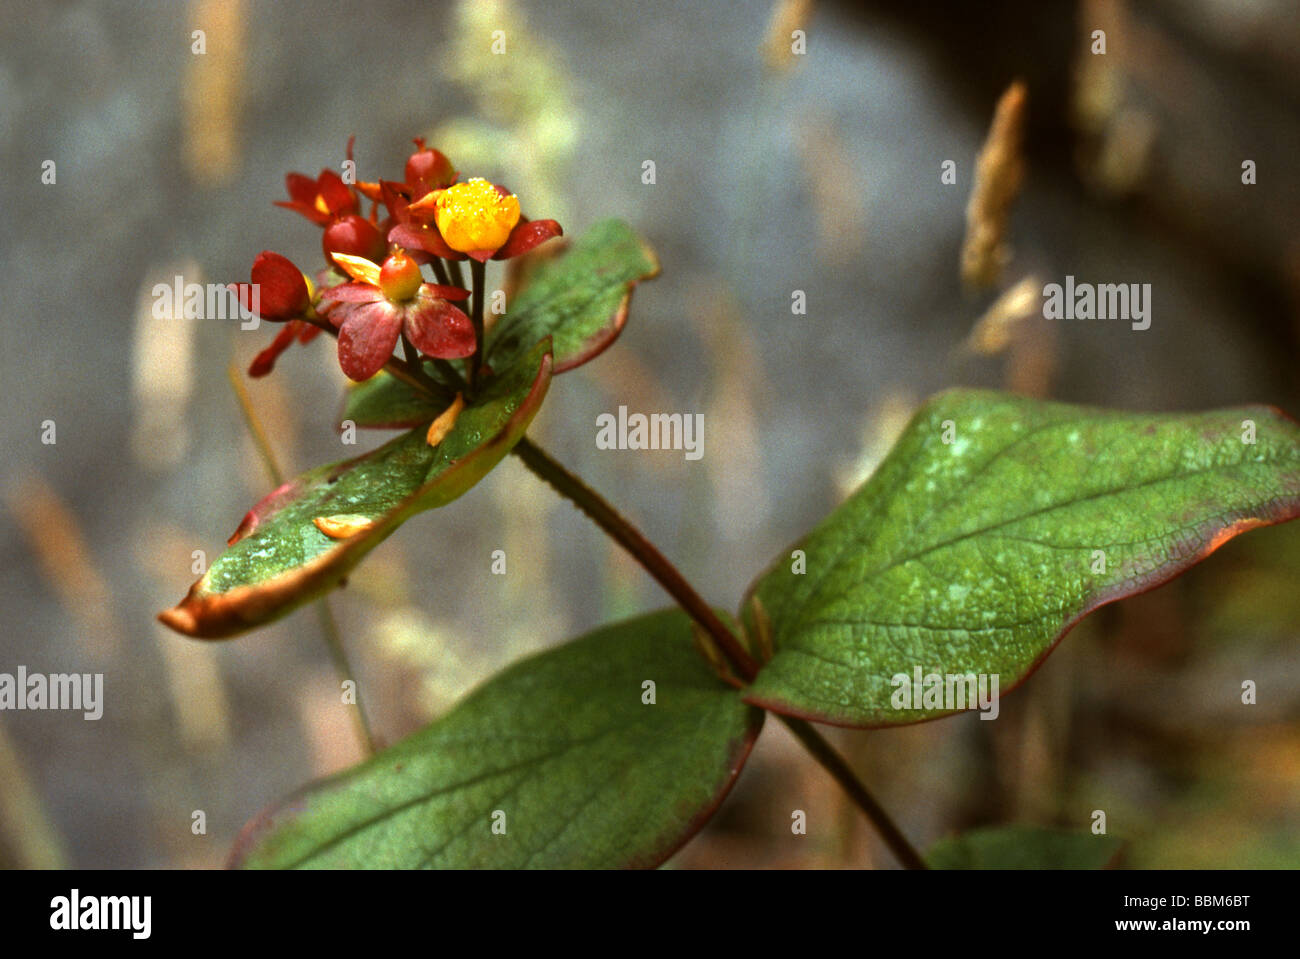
944,544
423,797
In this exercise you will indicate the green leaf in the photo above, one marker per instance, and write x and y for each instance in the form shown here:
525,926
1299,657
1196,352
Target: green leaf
978,554
1025,847
580,299
560,751
281,557
385,402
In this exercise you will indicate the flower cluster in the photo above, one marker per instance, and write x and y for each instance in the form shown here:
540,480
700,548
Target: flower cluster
372,293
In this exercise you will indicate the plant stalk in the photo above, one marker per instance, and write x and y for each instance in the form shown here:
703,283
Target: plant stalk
455,274
630,538
334,642
477,271
838,767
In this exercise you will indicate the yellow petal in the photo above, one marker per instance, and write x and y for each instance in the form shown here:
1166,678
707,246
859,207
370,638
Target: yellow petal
358,267
344,525
440,427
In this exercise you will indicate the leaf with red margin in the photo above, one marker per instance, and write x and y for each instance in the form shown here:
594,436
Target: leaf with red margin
992,527
561,750
580,298
1025,847
303,539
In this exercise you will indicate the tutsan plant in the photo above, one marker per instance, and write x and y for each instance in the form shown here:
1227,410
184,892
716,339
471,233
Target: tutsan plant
995,524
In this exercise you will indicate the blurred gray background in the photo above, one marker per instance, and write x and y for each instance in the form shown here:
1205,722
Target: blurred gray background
773,174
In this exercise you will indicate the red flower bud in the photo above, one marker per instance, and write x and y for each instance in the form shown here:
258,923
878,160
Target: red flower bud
278,291
400,277
354,235
427,169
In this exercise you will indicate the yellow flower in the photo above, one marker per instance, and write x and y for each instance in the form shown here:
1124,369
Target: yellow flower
475,216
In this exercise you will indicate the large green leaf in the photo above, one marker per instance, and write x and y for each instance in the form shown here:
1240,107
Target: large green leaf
280,558
1025,847
561,752
579,299
976,555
